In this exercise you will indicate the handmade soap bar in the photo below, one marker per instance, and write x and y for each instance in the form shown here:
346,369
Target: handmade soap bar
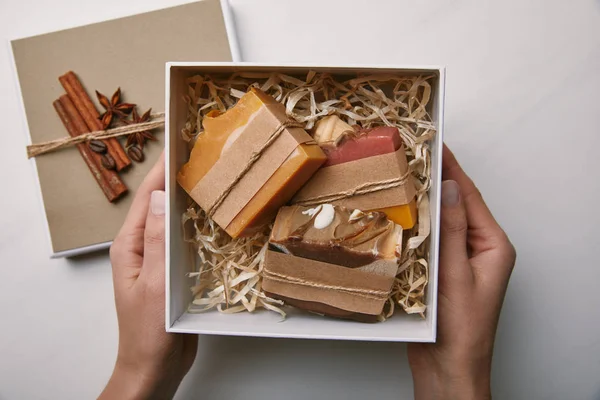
354,293
278,190
336,235
363,144
369,143
225,148
332,260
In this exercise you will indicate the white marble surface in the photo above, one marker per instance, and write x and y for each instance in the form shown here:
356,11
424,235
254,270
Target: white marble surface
522,115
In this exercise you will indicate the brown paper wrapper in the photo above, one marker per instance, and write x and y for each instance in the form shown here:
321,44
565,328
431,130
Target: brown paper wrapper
256,132
342,178
363,290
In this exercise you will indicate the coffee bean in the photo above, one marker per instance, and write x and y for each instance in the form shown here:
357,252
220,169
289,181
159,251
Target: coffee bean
135,153
108,162
98,146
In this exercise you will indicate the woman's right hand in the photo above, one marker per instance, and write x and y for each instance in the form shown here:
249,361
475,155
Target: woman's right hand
476,261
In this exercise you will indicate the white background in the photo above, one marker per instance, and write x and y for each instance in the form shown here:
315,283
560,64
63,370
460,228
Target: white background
523,116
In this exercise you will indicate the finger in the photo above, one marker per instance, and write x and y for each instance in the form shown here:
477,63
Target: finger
127,249
455,270
155,180
478,213
483,228
153,272
493,269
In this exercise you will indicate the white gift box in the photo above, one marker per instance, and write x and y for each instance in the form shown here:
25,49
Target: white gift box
298,324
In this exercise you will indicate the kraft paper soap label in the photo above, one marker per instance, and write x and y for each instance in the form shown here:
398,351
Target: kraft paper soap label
363,290
366,184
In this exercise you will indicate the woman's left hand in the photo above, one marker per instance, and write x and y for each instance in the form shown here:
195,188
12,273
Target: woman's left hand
151,362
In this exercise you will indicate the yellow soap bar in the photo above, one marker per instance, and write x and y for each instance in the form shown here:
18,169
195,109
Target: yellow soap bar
220,131
404,215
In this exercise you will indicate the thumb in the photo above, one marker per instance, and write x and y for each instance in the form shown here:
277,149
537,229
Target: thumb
454,260
154,237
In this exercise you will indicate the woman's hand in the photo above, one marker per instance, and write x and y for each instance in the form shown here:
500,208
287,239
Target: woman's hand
476,260
150,362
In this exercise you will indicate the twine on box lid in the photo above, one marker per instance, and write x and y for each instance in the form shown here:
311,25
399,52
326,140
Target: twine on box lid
34,150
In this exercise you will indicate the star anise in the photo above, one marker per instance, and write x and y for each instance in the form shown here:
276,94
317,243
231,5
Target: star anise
138,138
114,108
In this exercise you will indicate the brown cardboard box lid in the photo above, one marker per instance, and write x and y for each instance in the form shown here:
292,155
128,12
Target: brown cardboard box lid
131,53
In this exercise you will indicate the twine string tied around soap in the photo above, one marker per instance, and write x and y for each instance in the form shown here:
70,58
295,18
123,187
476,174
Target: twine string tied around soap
34,150
365,188
365,293
254,157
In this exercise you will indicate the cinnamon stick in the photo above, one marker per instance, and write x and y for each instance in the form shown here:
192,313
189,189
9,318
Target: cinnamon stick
87,110
109,181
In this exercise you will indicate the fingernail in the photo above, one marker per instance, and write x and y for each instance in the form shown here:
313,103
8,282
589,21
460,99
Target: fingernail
450,193
157,203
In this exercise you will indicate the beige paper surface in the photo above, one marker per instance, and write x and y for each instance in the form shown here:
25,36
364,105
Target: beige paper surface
347,176
300,278
256,132
131,53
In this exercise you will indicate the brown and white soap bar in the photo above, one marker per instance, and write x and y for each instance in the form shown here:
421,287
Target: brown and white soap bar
336,235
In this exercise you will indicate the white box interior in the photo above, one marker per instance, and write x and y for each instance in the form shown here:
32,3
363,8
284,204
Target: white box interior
181,257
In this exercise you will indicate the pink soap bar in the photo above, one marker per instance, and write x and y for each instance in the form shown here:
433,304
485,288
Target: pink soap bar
367,143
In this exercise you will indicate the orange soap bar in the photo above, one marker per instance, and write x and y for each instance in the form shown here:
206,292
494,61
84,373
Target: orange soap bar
404,215
220,133
278,190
